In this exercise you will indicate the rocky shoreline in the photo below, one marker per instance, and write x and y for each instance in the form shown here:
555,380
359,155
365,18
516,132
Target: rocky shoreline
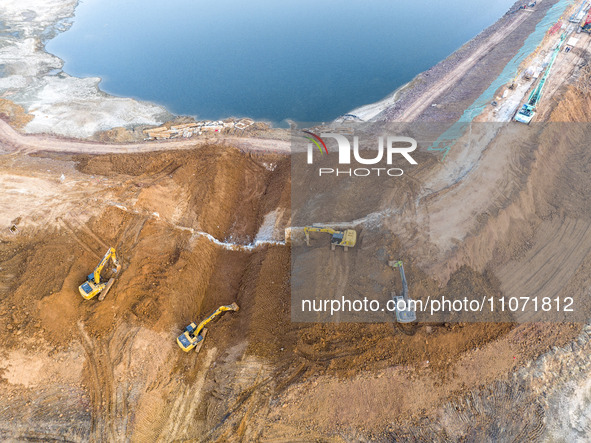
54,102
33,79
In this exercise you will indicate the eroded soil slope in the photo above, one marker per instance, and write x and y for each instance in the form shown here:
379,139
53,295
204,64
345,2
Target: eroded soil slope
198,228
182,224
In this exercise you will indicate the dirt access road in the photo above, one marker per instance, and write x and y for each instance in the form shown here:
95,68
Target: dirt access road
448,81
442,93
13,141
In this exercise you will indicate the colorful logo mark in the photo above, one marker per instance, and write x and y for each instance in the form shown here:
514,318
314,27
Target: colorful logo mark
316,142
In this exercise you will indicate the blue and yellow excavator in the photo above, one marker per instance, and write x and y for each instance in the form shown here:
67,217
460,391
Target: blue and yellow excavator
94,285
585,25
193,335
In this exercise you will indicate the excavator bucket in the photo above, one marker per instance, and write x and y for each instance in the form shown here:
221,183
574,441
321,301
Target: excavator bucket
234,307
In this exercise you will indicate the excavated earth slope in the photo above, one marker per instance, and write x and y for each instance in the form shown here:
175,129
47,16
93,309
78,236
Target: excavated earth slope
198,228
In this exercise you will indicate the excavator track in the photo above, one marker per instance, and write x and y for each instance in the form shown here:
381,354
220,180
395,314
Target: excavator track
104,292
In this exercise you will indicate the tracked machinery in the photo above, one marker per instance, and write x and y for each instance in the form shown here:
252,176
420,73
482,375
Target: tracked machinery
585,24
194,335
528,110
346,238
406,315
94,284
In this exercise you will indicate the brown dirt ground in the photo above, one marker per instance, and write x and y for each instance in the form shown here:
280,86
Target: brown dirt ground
14,114
116,373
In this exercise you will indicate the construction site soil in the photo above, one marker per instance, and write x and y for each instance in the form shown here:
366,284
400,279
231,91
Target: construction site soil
202,226
110,371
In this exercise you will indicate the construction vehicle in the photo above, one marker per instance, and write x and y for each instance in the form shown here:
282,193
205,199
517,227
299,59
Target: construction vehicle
93,285
586,25
406,315
528,110
346,238
578,15
193,335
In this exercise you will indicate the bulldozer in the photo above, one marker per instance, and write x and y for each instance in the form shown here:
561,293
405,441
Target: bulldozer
346,238
194,335
93,284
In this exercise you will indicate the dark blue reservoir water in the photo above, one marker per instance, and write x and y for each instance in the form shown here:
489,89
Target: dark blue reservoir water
300,59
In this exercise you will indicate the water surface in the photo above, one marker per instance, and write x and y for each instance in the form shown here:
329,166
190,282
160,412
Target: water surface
306,60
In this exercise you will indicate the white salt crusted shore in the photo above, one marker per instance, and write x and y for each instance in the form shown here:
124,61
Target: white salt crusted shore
61,104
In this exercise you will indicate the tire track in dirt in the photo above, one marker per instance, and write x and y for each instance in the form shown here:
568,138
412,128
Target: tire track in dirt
29,144
249,395
181,415
342,278
132,231
82,228
560,247
110,408
76,237
104,404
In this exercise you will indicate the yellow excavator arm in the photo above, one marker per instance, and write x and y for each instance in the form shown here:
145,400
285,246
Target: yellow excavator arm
218,311
97,271
347,238
194,334
315,229
93,285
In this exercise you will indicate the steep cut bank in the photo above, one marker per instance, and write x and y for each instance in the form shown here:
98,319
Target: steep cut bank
550,393
535,226
538,204
196,229
163,212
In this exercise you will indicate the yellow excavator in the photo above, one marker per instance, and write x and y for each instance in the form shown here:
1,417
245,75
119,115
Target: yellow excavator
346,238
94,285
193,335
